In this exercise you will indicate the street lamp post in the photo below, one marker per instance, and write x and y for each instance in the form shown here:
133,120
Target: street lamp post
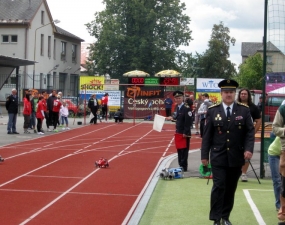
35,42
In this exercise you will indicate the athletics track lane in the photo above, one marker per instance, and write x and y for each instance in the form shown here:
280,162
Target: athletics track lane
53,178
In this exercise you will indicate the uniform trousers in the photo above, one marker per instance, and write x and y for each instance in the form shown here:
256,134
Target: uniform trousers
223,191
183,155
94,112
104,111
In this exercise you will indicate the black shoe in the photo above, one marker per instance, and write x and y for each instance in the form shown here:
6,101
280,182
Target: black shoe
15,132
226,222
9,132
217,222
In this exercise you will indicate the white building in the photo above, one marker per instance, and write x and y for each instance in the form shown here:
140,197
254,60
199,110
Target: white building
28,31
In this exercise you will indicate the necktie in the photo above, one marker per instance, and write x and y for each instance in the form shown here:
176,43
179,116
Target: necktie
228,113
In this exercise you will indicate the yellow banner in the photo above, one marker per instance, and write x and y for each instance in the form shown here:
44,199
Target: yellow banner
89,83
215,97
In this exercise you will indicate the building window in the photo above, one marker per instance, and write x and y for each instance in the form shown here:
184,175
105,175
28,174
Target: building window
43,17
63,50
74,52
14,38
5,38
269,59
54,49
42,44
49,46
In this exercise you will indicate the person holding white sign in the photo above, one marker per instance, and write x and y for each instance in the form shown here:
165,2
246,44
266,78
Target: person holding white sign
183,119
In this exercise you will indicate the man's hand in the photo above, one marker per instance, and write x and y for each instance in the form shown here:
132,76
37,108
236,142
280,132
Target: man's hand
169,118
247,155
205,162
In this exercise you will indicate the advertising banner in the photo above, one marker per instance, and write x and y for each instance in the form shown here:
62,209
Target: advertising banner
144,92
146,107
114,101
208,85
91,83
186,81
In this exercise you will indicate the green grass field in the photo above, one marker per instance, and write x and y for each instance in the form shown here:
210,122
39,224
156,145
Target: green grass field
187,201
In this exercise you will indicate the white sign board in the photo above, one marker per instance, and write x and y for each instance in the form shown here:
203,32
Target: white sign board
158,122
186,81
208,85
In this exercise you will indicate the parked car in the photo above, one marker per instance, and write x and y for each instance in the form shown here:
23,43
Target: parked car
272,103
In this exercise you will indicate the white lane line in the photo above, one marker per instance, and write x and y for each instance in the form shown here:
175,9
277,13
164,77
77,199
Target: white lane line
58,198
72,192
16,178
54,177
121,152
66,192
253,207
169,145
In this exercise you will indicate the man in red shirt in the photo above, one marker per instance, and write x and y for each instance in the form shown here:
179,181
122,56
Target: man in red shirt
55,112
104,103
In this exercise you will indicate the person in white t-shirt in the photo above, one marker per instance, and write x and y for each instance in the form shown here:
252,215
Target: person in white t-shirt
64,116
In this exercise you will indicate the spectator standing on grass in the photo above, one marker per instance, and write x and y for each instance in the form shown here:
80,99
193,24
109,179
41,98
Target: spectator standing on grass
64,116
244,97
104,103
50,104
279,131
274,151
93,106
197,104
183,118
40,114
168,105
12,108
228,141
202,111
27,111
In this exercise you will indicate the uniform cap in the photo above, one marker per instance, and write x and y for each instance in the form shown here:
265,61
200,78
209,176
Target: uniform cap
177,94
228,85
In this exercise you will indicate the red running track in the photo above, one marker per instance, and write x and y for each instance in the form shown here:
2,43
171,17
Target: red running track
53,180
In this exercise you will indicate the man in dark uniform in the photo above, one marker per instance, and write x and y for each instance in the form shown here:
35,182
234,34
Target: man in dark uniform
183,117
93,106
229,139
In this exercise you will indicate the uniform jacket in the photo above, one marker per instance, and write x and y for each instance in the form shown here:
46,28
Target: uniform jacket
183,119
91,103
226,141
12,104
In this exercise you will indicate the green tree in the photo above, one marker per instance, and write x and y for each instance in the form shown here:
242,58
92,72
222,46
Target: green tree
137,34
251,72
215,61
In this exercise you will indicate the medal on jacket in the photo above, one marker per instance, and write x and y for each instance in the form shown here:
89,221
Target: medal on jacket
218,117
219,129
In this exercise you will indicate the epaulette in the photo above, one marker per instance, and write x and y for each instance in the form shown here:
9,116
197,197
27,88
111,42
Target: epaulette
239,103
186,105
211,106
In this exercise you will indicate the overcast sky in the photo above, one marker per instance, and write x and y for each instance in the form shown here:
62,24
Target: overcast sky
244,18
